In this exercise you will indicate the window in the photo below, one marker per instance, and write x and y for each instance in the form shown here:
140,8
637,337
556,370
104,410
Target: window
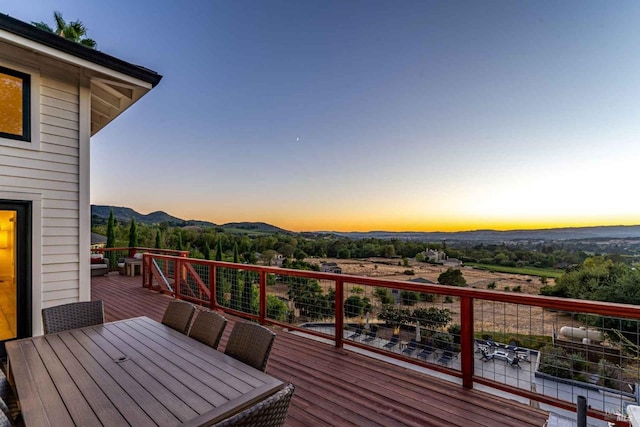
14,105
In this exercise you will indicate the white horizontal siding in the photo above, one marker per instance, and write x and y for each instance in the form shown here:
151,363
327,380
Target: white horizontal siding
59,281
50,299
53,172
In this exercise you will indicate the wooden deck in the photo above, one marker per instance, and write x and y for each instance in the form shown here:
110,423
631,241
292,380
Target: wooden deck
339,387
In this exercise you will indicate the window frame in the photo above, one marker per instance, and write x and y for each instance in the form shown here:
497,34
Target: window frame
26,105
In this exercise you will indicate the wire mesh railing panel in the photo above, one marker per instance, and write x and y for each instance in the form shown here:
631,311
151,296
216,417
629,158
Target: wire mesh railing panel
301,301
414,325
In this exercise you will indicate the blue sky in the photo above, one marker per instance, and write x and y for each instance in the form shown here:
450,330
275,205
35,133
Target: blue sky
368,115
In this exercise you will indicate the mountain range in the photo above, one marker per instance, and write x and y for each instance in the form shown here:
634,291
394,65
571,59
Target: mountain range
100,214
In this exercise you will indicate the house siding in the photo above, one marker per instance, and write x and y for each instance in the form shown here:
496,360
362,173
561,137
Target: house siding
52,171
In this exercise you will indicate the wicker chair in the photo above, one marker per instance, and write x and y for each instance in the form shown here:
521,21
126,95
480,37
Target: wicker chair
250,343
208,327
72,316
178,315
5,420
8,401
271,412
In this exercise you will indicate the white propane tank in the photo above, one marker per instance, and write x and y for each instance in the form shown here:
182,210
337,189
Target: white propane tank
581,333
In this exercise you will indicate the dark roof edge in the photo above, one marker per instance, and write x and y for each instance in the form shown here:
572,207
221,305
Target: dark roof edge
45,38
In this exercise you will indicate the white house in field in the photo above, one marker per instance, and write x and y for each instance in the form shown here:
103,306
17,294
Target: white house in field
54,95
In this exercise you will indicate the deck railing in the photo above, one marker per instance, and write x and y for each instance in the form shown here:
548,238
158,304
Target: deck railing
508,341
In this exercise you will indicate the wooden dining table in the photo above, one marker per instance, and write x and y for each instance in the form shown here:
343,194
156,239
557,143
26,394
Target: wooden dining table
134,372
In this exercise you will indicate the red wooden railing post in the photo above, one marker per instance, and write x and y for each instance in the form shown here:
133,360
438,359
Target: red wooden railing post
263,296
212,287
178,275
339,313
466,341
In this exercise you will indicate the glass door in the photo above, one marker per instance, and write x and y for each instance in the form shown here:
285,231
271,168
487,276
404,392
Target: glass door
8,275
15,270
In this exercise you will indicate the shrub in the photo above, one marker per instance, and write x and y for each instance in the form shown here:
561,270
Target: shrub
577,361
409,272
426,297
608,372
507,289
353,306
554,362
408,297
448,299
491,285
442,340
517,288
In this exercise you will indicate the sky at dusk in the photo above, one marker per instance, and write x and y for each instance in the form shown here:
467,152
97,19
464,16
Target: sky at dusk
372,115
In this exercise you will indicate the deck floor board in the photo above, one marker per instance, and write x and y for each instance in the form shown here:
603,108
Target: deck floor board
335,387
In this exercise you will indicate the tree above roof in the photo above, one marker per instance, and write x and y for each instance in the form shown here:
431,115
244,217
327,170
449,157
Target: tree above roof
74,30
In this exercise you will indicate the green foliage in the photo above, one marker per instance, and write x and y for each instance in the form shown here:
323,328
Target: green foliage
235,286
409,272
420,257
219,284
452,277
517,288
442,340
408,297
448,299
309,297
491,285
383,295
111,234
554,362
158,240
405,262
344,253
357,290
427,297
74,30
354,306
133,234
608,373
395,316
207,251
530,271
276,308
432,316
248,292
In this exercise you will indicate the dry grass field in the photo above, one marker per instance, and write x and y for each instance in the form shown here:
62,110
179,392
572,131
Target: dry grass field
489,316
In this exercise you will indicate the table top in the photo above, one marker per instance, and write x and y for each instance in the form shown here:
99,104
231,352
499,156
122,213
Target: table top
131,372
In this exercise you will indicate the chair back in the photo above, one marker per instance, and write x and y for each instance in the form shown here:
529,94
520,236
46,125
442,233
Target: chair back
5,420
271,412
250,343
208,327
72,316
178,315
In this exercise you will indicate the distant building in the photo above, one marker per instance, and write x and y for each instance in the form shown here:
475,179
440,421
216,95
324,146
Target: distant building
330,267
452,263
98,241
434,255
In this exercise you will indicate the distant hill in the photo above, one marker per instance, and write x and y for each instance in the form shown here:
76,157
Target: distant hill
100,215
255,226
550,234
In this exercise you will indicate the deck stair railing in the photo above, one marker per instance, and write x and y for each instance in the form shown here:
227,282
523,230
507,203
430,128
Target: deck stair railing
508,341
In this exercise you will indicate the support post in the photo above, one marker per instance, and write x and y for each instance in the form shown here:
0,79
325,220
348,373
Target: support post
339,313
466,341
582,411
